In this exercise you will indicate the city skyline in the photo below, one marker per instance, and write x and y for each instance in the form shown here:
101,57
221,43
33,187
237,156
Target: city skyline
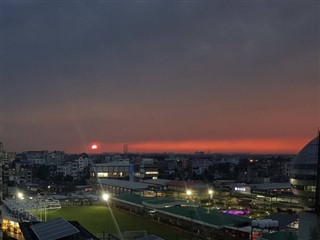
160,76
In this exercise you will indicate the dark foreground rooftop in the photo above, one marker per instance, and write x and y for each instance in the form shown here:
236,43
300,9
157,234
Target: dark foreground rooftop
56,229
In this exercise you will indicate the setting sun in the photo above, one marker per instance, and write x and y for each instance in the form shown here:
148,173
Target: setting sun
94,146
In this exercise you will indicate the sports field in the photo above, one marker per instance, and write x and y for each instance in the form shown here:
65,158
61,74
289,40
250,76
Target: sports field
99,219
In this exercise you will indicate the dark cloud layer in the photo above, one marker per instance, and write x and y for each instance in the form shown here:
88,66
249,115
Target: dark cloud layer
74,72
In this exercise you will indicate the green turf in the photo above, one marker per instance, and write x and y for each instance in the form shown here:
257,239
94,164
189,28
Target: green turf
98,219
212,217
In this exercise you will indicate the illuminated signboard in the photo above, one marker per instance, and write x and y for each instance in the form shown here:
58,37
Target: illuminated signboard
240,189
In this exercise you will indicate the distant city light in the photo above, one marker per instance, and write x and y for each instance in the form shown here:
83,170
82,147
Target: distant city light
237,212
241,189
148,173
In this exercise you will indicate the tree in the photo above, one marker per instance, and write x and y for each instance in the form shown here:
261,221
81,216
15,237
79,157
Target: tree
58,178
68,178
41,171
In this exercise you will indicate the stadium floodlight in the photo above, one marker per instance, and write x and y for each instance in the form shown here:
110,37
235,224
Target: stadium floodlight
20,195
105,196
23,210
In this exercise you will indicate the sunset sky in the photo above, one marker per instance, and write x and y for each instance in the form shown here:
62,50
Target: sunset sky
218,76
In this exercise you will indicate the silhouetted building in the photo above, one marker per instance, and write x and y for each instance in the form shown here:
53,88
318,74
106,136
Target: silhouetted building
55,229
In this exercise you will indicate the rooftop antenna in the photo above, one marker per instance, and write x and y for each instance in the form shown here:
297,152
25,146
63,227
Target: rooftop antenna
125,149
317,203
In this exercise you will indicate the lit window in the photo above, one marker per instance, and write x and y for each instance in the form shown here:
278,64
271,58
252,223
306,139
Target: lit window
151,173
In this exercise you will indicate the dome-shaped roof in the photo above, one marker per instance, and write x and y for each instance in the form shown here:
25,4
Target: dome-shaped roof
309,154
304,170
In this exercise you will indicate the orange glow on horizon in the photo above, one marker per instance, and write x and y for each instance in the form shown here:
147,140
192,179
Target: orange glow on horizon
213,146
233,146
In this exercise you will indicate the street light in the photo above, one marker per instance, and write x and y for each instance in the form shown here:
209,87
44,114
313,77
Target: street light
210,191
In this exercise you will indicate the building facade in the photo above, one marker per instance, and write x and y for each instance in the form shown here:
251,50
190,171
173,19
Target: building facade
304,173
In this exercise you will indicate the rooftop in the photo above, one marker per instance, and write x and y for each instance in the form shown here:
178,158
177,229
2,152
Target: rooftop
55,229
282,235
123,184
112,164
201,215
188,184
266,186
162,182
209,217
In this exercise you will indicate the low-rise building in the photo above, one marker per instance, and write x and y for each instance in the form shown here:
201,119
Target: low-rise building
116,169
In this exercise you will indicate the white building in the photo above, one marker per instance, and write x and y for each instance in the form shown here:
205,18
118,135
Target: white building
56,158
69,169
115,169
148,169
82,162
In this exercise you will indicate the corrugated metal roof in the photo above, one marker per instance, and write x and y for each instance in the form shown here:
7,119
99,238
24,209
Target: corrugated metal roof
199,185
283,235
266,186
157,181
200,215
123,184
150,237
212,217
54,229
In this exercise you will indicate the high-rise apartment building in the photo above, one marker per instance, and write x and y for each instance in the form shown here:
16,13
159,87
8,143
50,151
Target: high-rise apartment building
1,186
